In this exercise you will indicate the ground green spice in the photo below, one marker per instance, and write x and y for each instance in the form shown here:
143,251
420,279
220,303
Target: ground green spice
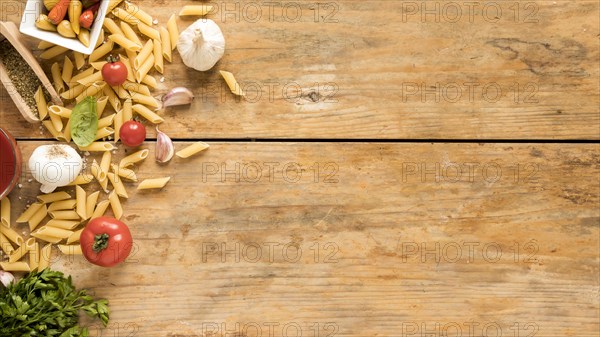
25,81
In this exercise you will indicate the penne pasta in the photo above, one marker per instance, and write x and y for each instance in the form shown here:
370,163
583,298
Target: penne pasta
37,217
53,232
173,31
127,110
128,64
60,111
99,175
90,203
70,249
67,71
53,52
100,38
118,122
5,212
105,161
34,256
83,74
148,31
47,238
29,212
101,105
133,87
121,92
150,81
106,121
81,198
45,45
66,136
19,252
147,113
104,133
155,183
101,51
122,41
112,4
117,184
98,65
73,92
64,215
16,266
232,83
51,129
145,100
144,68
138,13
93,78
52,197
82,179
125,16
112,27
80,58
101,208
158,56
166,44
5,245
134,158
192,149
41,103
130,34
112,97
98,147
143,55
45,255
93,90
115,204
74,237
57,81
124,172
62,205
63,224
199,10
56,121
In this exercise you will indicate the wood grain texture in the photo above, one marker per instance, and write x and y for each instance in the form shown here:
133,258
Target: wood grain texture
387,69
365,214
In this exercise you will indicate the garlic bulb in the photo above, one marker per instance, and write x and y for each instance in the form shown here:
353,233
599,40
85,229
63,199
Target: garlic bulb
6,278
201,45
54,166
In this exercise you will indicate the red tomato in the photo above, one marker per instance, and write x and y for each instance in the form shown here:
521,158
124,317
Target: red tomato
114,72
106,241
132,133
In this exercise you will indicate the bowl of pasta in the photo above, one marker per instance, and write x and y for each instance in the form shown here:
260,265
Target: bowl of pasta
74,25
10,163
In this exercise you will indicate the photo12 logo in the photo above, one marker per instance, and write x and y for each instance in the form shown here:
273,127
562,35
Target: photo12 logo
269,329
468,172
275,11
255,172
269,252
469,11
471,92
468,329
467,252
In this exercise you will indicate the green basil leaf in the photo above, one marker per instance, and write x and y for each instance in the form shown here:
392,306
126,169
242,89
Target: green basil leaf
84,122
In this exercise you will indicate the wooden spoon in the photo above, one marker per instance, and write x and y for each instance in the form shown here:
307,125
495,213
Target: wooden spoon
10,32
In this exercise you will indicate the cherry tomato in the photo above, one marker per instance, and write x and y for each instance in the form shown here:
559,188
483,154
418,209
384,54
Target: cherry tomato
132,133
106,241
114,72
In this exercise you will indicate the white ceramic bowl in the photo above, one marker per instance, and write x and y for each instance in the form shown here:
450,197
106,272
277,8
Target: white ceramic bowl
34,8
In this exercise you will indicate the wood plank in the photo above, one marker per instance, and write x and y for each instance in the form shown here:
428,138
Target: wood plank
365,69
367,228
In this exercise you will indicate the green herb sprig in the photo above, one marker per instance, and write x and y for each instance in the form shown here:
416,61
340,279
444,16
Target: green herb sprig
47,304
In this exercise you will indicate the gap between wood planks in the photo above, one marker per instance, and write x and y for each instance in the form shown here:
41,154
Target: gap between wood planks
362,140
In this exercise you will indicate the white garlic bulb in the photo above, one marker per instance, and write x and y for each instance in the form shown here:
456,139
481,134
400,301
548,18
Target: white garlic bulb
201,45
55,166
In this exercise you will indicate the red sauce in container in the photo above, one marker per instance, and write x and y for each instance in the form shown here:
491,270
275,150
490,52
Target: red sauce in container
10,163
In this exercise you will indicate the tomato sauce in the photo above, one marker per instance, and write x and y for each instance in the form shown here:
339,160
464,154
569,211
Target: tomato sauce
8,162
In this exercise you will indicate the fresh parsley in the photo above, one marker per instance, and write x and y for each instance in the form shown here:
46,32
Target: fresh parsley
47,304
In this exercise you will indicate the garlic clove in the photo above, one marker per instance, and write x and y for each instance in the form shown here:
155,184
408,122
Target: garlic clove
178,96
164,147
6,278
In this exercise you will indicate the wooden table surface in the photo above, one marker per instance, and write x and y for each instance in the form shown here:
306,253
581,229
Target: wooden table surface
395,170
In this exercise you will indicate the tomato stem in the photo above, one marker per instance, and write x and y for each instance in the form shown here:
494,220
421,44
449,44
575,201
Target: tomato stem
100,242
